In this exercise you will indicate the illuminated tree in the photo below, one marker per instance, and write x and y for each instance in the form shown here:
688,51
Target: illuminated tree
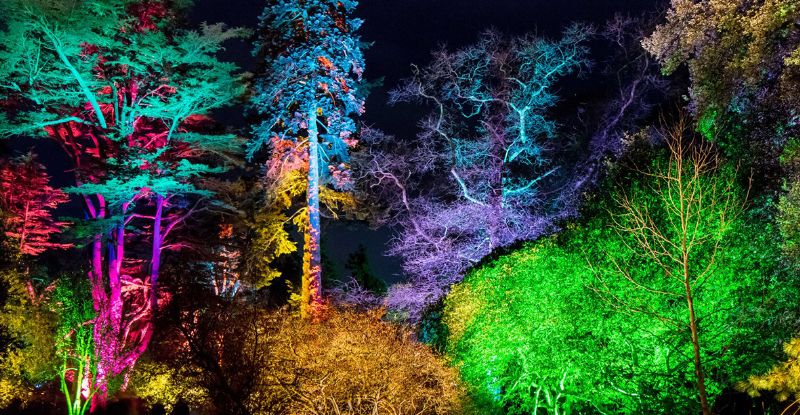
744,60
27,201
485,153
248,360
741,55
27,352
583,321
682,234
308,97
131,120
490,166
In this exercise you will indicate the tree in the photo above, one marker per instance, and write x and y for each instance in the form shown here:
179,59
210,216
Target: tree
682,233
243,359
27,201
308,99
488,147
741,55
27,334
492,165
131,120
501,169
743,58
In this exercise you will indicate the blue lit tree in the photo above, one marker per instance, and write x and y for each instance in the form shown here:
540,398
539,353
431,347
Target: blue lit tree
308,99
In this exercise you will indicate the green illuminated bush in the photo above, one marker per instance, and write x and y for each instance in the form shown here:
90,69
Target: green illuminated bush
550,328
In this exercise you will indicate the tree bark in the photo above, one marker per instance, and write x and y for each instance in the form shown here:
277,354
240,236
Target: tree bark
311,294
698,367
155,260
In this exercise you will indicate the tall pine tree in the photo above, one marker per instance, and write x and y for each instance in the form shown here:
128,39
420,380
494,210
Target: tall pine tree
308,98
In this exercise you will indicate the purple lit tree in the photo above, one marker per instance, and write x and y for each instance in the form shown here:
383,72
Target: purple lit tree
490,167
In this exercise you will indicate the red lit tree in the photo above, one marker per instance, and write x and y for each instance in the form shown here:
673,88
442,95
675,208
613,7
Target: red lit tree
27,202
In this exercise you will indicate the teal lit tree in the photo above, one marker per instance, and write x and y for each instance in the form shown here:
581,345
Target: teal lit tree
308,99
131,119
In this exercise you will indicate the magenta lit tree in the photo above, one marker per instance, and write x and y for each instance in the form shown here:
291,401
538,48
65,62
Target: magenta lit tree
131,120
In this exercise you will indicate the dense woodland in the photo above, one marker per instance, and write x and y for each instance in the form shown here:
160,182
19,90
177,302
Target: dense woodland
601,222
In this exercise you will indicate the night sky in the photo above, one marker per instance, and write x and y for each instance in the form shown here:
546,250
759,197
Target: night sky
404,32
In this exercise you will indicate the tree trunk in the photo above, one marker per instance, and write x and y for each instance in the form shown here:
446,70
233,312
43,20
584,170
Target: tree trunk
311,294
698,367
105,330
155,263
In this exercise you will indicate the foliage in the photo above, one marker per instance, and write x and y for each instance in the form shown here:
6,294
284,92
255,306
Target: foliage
27,202
72,303
377,366
270,238
736,51
557,318
29,356
783,379
158,383
744,79
248,360
308,98
789,220
312,61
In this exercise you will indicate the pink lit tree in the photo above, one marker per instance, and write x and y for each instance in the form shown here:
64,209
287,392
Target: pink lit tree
132,121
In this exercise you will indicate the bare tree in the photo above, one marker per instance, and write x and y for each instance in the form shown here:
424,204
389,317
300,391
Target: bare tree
676,225
490,166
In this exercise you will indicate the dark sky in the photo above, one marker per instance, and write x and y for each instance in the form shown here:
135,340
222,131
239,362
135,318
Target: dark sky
404,32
